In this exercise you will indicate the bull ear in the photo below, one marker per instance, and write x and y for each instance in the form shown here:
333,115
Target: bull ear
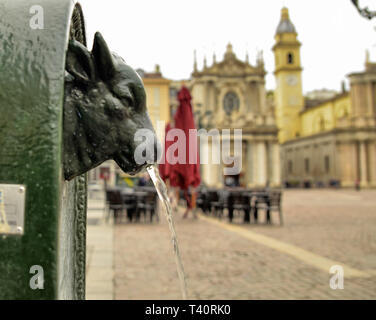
103,57
79,62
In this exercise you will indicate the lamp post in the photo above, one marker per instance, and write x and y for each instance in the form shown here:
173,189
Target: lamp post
364,12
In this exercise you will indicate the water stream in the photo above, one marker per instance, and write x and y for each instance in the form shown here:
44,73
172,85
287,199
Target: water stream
162,193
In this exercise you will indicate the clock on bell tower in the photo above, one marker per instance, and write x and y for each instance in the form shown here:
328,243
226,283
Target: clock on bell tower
289,98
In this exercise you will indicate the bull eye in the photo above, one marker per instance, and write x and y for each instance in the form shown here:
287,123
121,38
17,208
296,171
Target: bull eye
128,101
125,95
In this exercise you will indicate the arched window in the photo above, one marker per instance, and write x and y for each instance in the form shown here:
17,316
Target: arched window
290,58
289,166
306,165
327,164
230,102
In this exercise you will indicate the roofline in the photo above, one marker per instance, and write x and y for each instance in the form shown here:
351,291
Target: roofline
320,104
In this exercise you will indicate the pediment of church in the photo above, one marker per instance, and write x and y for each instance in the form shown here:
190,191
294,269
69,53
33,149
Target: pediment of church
231,66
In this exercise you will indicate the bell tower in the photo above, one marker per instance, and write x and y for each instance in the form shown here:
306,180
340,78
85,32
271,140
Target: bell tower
289,98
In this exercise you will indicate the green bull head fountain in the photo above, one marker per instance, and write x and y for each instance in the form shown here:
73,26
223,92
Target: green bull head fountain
105,104
64,110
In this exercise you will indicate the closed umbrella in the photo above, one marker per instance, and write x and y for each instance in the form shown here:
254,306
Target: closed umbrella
184,175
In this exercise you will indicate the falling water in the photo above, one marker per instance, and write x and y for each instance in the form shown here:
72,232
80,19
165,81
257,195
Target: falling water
162,193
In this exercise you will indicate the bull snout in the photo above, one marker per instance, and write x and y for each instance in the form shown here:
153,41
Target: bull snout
144,152
152,152
149,148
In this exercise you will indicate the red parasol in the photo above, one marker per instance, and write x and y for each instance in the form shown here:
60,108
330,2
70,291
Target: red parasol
165,168
186,174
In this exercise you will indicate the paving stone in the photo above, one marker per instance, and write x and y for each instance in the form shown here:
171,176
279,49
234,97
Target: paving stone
220,264
99,256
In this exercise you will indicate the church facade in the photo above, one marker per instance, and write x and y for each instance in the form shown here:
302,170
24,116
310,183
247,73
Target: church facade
230,94
325,141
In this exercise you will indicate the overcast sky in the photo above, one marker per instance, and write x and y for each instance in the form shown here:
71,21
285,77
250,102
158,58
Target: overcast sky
147,32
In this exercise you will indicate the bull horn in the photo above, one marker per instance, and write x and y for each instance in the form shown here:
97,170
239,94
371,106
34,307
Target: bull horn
103,57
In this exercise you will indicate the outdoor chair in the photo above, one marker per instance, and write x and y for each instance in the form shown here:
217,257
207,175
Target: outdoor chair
221,204
269,202
130,205
115,203
147,204
212,199
201,201
238,201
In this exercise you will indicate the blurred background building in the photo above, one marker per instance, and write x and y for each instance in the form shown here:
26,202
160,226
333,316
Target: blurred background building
230,94
158,98
323,138
327,138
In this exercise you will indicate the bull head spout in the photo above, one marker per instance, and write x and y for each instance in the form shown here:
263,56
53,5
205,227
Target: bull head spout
104,106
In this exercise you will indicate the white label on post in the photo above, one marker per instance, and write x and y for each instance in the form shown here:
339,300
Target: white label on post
12,209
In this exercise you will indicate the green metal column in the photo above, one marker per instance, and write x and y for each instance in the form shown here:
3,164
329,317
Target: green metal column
32,64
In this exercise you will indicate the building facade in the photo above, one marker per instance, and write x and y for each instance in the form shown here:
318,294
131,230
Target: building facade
157,98
230,94
324,140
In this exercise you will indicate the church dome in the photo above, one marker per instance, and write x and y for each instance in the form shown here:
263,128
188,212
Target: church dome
285,25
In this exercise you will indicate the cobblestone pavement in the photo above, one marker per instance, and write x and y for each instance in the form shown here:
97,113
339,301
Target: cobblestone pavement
221,264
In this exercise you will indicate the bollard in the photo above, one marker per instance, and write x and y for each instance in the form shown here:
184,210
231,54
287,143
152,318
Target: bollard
42,236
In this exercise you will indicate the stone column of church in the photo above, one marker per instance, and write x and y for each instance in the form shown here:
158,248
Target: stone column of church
243,163
261,164
209,167
249,165
213,172
219,176
204,159
254,163
348,161
276,163
363,163
372,162
353,163
215,167
337,161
